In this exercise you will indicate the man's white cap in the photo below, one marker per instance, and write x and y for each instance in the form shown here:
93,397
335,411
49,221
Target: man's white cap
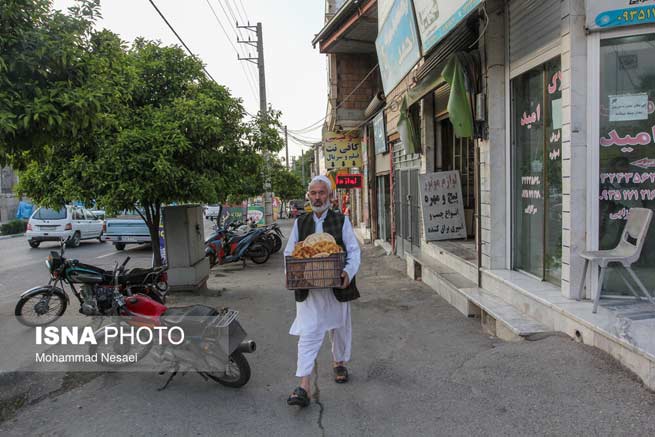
321,178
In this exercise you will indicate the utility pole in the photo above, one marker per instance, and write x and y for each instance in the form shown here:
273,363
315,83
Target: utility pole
286,145
259,61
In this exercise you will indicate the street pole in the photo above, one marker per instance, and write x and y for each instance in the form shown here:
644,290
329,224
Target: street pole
302,157
286,145
259,60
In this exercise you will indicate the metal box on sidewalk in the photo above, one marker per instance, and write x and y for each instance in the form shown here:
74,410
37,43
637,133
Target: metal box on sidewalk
188,268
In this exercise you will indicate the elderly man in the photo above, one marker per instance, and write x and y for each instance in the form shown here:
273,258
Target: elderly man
322,310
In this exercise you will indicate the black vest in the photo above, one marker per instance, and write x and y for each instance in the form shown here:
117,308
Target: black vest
333,224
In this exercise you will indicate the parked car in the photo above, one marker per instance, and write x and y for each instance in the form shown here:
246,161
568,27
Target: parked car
127,228
70,223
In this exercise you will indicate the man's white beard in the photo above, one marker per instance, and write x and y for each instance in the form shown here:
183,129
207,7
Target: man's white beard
320,209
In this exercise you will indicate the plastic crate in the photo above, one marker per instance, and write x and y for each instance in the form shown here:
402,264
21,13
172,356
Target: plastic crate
315,272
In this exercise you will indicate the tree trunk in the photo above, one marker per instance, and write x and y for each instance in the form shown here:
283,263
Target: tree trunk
152,221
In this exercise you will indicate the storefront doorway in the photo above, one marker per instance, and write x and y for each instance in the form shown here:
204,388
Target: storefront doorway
536,126
383,208
626,123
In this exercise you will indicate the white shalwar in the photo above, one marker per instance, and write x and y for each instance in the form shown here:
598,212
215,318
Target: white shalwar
321,311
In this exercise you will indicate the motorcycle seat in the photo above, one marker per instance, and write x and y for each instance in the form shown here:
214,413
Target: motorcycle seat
192,319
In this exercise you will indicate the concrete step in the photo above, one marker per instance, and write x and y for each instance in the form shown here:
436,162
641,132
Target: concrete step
497,317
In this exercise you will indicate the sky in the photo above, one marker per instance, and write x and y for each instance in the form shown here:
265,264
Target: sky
296,73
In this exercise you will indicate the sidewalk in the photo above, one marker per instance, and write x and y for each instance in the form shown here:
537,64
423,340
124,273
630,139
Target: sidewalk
418,368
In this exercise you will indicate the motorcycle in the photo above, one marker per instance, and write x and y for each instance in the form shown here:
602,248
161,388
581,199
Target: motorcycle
213,344
223,247
44,304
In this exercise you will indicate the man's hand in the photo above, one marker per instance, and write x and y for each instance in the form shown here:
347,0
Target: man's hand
345,280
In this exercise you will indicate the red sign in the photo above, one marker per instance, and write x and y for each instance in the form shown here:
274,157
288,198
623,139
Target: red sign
349,181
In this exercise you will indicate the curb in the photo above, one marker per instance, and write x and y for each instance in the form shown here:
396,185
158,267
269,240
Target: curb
6,237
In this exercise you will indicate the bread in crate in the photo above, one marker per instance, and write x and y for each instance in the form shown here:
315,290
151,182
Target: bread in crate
321,265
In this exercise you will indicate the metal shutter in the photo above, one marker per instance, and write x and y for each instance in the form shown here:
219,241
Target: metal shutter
534,25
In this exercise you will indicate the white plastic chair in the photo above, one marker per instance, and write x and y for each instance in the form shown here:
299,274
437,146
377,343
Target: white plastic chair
626,252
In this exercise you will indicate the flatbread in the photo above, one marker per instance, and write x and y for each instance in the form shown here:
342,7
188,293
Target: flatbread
317,238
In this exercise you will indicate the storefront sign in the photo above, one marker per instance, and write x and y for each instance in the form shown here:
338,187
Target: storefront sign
397,45
256,214
436,18
443,206
349,181
342,150
604,14
379,134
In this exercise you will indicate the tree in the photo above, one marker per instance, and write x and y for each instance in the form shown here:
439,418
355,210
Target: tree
174,136
53,85
285,183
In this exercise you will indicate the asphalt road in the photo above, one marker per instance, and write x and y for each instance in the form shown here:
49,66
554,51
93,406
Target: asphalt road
419,368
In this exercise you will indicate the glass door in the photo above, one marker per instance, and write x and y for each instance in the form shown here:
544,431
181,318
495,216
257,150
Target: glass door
537,171
627,144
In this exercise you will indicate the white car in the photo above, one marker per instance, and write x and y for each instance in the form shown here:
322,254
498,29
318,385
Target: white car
71,223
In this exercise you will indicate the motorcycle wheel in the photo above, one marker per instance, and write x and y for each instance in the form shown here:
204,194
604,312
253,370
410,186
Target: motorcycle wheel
278,243
259,253
30,315
237,373
114,347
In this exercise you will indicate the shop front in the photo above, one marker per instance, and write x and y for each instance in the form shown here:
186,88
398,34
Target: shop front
621,60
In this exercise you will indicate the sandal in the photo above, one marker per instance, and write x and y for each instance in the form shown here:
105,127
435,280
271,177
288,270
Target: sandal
340,374
299,397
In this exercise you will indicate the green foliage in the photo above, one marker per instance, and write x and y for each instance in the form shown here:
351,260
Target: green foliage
286,184
53,86
13,227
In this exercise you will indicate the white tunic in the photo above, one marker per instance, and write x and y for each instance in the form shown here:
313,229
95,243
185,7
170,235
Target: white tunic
321,311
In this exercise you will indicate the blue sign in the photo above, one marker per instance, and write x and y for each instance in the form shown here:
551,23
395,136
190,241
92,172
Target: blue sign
438,17
626,17
397,45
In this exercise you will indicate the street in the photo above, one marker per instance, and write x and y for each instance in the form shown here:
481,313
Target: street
418,367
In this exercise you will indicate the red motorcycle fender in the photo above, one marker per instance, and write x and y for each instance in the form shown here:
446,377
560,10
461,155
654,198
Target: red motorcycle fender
36,290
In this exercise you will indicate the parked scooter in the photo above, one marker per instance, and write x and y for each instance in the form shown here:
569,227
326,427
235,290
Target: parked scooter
43,305
213,343
224,248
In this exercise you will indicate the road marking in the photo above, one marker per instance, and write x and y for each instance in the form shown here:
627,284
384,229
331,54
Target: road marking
106,255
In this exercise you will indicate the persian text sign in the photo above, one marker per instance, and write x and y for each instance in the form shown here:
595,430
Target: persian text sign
604,14
342,150
443,207
397,45
436,18
349,181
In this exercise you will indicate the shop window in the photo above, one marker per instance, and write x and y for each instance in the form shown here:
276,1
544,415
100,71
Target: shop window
536,127
627,145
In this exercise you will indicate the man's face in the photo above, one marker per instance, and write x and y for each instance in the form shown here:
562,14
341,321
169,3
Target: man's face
318,195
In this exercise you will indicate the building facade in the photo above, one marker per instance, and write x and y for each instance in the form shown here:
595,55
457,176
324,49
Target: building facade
510,136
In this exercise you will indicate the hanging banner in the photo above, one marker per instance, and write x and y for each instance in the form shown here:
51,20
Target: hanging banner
443,206
397,45
436,18
605,14
379,134
342,150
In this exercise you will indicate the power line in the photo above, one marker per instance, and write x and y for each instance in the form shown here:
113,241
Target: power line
236,8
247,72
245,14
180,39
313,126
250,85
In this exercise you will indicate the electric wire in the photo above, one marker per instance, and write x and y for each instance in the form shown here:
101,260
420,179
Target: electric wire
314,125
237,32
250,85
180,39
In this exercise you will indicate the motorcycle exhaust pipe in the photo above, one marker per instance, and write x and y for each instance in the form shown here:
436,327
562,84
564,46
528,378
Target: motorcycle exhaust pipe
247,347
